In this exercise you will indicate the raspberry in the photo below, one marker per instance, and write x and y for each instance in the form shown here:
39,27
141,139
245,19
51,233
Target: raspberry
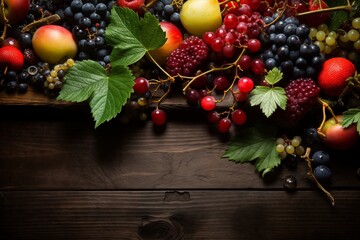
188,57
302,95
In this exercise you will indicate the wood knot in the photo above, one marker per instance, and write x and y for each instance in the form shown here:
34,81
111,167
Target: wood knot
154,228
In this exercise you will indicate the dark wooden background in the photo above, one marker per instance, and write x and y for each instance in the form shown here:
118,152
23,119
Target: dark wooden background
61,179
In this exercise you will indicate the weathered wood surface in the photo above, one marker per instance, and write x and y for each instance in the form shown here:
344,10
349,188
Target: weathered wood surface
200,215
62,179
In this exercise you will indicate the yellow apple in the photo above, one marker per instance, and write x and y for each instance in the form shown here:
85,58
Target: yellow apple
200,16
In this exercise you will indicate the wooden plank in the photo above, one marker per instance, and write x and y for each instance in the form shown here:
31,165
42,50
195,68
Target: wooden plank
63,151
200,215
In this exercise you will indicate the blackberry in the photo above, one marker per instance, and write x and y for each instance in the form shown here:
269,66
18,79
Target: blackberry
187,58
30,56
302,95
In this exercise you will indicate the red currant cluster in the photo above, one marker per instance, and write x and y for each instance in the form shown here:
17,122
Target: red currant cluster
240,28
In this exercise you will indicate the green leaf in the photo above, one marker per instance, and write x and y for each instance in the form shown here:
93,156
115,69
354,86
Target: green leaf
88,80
268,98
350,117
81,80
132,36
255,143
273,76
337,18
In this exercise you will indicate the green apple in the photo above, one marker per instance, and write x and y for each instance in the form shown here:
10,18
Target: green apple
338,137
54,44
200,16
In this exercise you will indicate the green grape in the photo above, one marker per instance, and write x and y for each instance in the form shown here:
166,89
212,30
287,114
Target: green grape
142,101
290,149
333,34
353,35
296,141
356,23
329,40
323,27
353,56
283,155
280,148
320,36
280,141
300,150
344,38
357,44
328,49
321,45
313,32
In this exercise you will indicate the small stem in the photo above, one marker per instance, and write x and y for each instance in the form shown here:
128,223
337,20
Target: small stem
171,78
348,8
325,107
308,160
44,20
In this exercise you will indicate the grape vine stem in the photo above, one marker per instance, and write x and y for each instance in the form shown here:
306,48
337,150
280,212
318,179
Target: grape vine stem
324,107
4,19
346,7
308,160
43,20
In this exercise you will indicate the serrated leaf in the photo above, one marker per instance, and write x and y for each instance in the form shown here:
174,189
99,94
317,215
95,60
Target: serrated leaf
273,76
268,98
351,116
88,80
81,80
257,144
132,36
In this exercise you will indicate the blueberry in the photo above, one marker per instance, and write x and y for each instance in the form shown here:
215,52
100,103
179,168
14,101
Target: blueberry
320,158
322,173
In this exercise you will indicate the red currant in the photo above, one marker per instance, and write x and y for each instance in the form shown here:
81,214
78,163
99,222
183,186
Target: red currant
230,20
141,85
258,66
245,84
213,117
158,117
241,96
239,117
208,103
221,83
223,126
254,45
244,62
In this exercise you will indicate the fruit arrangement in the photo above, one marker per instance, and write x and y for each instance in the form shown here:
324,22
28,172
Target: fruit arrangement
246,64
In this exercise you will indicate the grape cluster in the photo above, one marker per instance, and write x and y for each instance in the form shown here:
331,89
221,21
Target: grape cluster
289,48
240,27
165,10
289,149
302,95
87,21
188,57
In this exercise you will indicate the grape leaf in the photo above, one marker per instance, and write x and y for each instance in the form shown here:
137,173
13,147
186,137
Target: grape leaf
273,76
269,98
88,80
132,36
258,145
351,116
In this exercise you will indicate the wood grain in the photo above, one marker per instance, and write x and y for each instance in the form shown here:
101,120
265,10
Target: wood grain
207,215
60,149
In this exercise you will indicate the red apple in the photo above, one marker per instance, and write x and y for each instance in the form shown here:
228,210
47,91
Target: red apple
132,4
15,10
174,38
54,44
338,137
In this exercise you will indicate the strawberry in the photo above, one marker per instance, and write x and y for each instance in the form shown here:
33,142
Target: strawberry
11,58
333,76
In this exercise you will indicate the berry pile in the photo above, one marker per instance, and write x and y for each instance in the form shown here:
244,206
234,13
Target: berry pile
289,48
